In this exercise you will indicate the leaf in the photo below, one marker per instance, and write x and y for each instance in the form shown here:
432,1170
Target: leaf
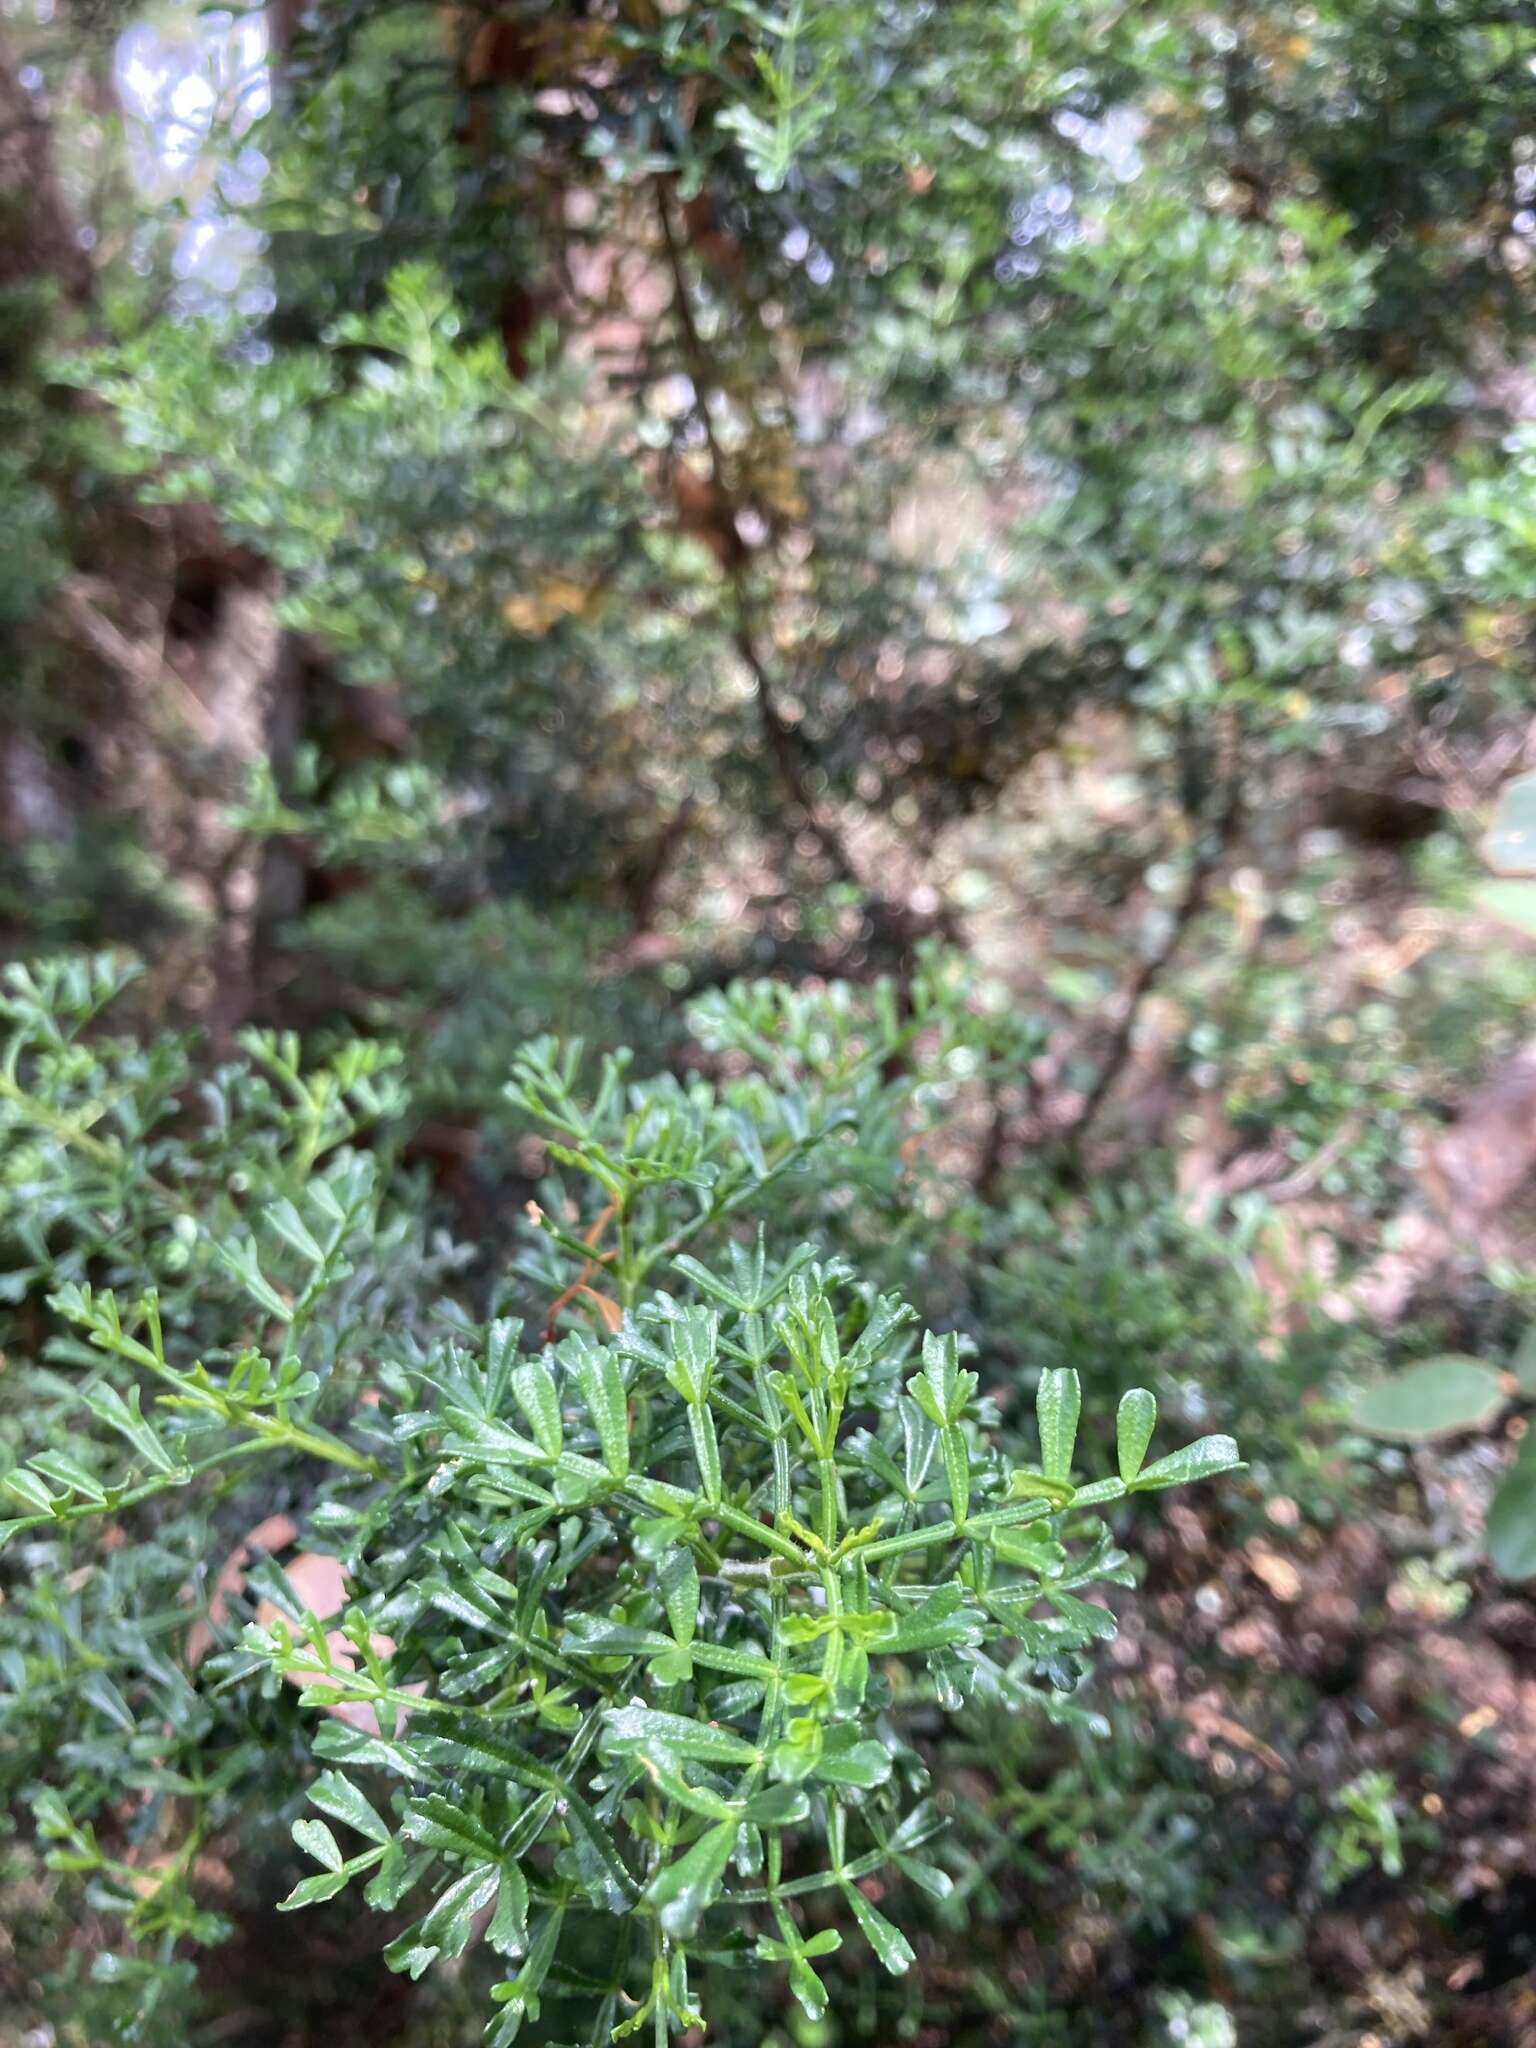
694,1336
862,1764
1434,1398
99,1691
65,1471
1510,843
534,1386
316,1839
325,1884
242,1260
1512,1517
508,1931
1512,903
365,1748
29,1490
957,1471
590,1635
518,1997
283,1218
919,1442
446,1929
943,1618
941,1389
672,1667
1026,1484
1206,1458
926,1876
706,1449
340,1798
678,1579
1135,1420
810,1992
889,1943
1095,1496
1058,1403
776,1806
1094,1624
395,1876
682,1891
635,1728
440,1824
601,1381
109,1406
917,1828
1523,1364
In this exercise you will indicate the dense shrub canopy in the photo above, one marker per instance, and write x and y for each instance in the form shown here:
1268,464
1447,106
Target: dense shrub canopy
762,770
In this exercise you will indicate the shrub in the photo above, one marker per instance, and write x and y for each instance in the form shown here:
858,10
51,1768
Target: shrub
636,1617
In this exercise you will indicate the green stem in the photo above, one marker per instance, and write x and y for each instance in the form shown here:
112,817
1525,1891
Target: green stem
827,1516
163,1482
70,1132
312,1443
747,1525
1010,1517
628,1277
832,1656
914,1539
797,1887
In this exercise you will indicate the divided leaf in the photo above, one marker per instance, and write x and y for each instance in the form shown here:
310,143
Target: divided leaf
446,1929
889,1943
684,1889
340,1798
315,1837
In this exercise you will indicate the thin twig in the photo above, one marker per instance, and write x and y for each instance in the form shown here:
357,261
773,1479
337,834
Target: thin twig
579,1284
785,746
1210,850
1311,1171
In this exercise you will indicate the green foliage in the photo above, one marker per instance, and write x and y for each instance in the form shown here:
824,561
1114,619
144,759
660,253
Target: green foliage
1121,1286
1362,1831
1439,1397
636,1622
1512,1519
682,1681
1509,847
436,455
1196,2022
1039,255
110,1170
40,449
1435,1397
729,445
229,1202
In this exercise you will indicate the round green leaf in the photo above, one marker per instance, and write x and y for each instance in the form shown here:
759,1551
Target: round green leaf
1512,903
1436,1397
1512,1518
1510,844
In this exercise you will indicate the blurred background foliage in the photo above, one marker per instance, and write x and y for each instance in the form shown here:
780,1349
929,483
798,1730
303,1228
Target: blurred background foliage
972,559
